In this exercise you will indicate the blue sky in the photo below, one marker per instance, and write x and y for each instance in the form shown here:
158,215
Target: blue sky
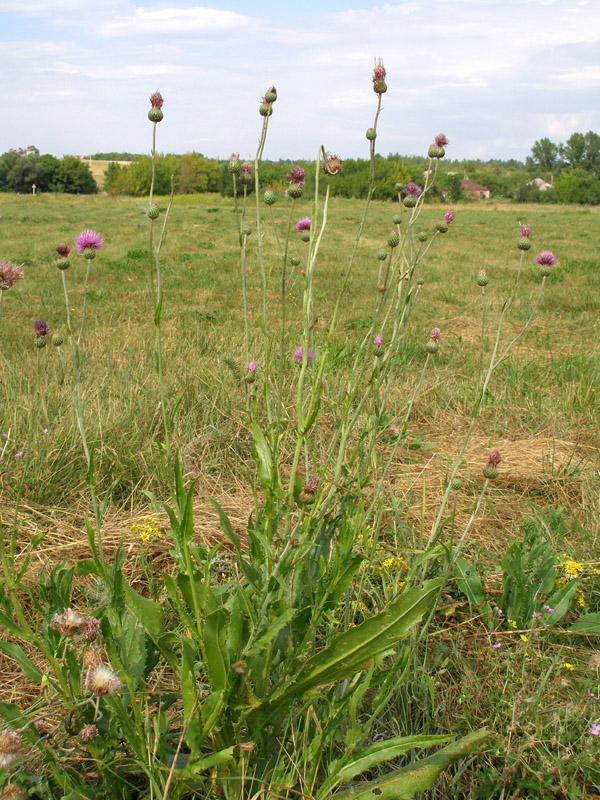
493,76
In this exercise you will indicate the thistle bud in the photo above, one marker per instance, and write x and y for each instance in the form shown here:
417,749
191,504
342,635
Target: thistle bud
251,372
271,95
442,226
153,211
234,165
40,342
435,151
409,201
246,173
524,244
57,339
295,191
246,230
456,484
265,109
490,471
89,253
371,134
294,261
398,187
420,281
382,254
397,219
155,114
482,278
432,347
422,236
378,349
269,196
394,239
63,263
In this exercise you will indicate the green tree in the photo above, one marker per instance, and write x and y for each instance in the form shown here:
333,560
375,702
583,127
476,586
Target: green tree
545,154
74,177
577,186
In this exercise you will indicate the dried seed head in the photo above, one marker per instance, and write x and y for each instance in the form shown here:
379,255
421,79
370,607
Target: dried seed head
88,732
10,746
101,681
332,164
9,275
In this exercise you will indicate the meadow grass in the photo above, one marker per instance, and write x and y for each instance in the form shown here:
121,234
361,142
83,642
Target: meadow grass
541,413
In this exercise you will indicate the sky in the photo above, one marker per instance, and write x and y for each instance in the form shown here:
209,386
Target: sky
493,75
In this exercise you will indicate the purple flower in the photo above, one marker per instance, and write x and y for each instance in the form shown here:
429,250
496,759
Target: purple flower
378,340
378,71
9,275
497,645
548,610
63,249
19,454
498,611
525,231
298,353
412,190
591,695
546,259
594,729
303,224
41,328
156,100
45,431
449,216
494,459
252,367
434,334
441,140
297,175
247,167
88,239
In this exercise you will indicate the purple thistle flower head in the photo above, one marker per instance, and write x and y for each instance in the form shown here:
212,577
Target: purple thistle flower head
247,167
441,140
41,328
298,353
9,275
378,340
481,272
297,175
303,224
494,459
252,367
63,249
88,239
546,259
449,216
412,190
435,334
156,100
378,70
525,231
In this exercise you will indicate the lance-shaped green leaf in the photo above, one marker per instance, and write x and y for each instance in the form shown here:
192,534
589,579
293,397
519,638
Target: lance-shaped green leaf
405,783
351,650
344,769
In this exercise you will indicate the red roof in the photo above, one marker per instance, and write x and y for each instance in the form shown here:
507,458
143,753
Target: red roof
471,186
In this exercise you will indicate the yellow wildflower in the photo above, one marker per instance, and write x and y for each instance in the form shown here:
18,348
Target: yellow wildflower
523,638
568,666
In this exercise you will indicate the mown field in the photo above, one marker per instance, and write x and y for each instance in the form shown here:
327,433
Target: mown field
542,414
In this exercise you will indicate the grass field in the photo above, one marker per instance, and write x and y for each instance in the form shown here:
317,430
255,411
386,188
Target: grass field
542,414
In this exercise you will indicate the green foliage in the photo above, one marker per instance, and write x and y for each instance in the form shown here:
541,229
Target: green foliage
577,186
50,174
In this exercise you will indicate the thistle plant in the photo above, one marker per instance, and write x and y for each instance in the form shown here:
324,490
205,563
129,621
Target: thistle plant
270,673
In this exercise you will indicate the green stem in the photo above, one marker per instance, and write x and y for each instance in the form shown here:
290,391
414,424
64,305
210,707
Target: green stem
87,278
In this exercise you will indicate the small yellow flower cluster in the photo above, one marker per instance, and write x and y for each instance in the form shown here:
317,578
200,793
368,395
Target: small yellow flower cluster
572,569
147,530
512,622
569,667
358,605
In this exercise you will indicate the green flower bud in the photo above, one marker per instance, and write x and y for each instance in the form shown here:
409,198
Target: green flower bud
265,110
40,342
524,244
371,134
410,201
432,347
155,115
57,339
269,196
456,484
442,226
63,263
397,218
295,261
394,239
296,190
422,237
382,254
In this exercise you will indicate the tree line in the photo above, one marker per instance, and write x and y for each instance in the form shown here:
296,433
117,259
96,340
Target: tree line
70,174
571,170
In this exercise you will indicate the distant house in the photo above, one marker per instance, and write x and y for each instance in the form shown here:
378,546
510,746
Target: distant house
475,190
29,151
540,184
